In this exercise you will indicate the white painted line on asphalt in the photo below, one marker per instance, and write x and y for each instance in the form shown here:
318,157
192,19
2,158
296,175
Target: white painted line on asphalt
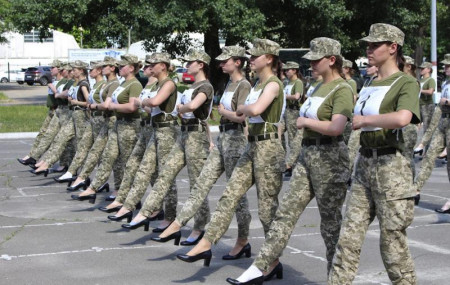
34,195
43,225
93,249
18,135
435,196
306,253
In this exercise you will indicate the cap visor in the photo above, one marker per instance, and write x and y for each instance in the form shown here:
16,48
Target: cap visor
254,52
445,62
313,56
223,57
371,39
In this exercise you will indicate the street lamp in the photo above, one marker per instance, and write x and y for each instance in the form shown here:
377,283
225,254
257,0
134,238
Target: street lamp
81,31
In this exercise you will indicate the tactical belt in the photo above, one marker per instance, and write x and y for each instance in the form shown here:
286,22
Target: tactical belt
375,152
165,124
262,137
126,119
192,128
146,121
445,115
321,141
293,107
96,113
231,126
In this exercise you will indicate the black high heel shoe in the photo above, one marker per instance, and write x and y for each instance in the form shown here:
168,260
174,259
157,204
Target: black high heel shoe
145,223
110,198
256,281
189,243
103,187
110,210
206,255
247,250
45,172
90,197
65,168
27,161
277,270
176,236
83,184
128,215
416,199
159,230
440,211
33,166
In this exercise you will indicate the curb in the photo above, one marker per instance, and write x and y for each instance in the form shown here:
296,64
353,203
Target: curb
11,136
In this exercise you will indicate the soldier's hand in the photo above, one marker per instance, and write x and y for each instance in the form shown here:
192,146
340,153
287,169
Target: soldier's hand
301,122
358,122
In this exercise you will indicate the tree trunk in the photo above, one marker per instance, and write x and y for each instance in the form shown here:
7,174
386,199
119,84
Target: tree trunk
418,52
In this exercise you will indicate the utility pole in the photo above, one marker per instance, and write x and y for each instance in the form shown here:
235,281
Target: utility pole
129,38
81,30
433,41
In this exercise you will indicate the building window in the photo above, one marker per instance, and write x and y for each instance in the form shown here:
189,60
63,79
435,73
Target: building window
33,37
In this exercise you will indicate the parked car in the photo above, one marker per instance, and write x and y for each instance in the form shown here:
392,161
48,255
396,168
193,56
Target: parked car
4,78
183,76
188,78
21,76
40,74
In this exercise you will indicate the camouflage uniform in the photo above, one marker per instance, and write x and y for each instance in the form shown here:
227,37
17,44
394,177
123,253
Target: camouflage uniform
123,137
190,149
410,138
223,158
426,101
382,183
353,147
426,138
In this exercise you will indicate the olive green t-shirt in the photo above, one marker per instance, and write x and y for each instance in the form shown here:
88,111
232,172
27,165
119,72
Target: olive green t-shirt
272,113
312,86
204,86
297,87
64,101
353,85
147,88
445,94
428,83
80,95
168,105
338,100
401,96
241,90
132,88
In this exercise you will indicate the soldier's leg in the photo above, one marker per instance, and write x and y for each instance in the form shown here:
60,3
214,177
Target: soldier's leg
84,146
268,164
426,138
197,149
282,130
296,148
292,206
291,125
353,147
46,138
437,145
66,133
410,138
41,133
94,153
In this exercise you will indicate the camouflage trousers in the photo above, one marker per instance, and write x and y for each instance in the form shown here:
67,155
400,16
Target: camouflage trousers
426,138
290,123
353,147
135,159
155,155
118,148
426,112
223,158
261,163
191,149
381,188
35,152
295,148
64,115
410,139
96,151
347,132
72,129
321,172
92,129
440,140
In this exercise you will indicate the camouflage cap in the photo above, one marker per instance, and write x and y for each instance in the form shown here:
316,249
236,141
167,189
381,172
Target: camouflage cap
158,57
446,59
95,64
426,64
409,60
381,32
108,60
321,47
347,63
128,59
56,63
230,51
66,66
264,46
79,64
195,54
291,65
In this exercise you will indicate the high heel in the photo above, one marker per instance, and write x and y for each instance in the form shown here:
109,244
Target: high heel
110,198
190,243
128,215
206,255
33,166
176,236
255,281
159,230
110,210
103,187
145,223
65,180
27,161
247,250
45,172
65,168
90,197
277,270
416,199
83,184
440,211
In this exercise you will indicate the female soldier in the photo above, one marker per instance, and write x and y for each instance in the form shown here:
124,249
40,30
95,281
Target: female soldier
162,97
75,127
223,158
322,169
427,88
191,148
263,156
109,70
349,72
382,182
440,140
122,140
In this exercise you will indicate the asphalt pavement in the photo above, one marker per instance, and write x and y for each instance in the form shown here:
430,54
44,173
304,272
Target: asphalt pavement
47,238
24,94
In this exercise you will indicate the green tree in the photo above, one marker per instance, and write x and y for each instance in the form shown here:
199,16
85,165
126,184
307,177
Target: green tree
4,23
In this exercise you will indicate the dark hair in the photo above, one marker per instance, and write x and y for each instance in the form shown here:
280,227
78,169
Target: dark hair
167,66
400,58
339,62
276,65
244,66
137,67
206,69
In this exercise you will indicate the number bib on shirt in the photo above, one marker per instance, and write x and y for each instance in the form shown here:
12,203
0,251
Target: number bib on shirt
251,99
116,94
